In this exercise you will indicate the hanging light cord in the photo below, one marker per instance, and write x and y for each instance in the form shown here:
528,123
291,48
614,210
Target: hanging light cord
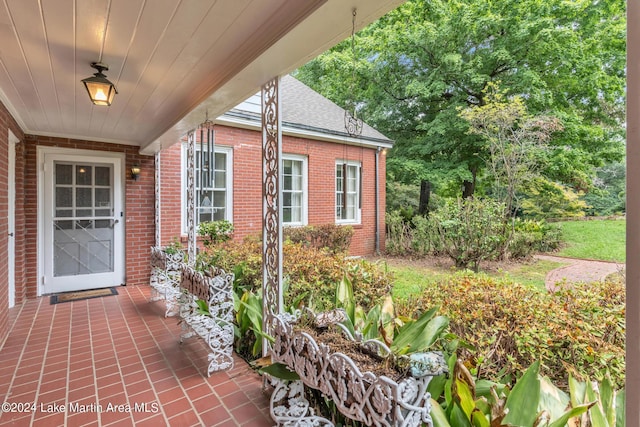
352,123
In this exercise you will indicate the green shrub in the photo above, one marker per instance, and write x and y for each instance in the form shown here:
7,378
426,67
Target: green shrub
546,199
335,238
214,232
399,235
510,326
306,269
425,240
470,230
545,237
402,198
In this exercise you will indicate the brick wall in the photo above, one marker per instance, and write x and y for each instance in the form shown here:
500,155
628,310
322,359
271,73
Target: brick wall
247,185
8,123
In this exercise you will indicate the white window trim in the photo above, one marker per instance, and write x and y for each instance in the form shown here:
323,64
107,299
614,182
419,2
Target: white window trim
305,188
183,171
358,218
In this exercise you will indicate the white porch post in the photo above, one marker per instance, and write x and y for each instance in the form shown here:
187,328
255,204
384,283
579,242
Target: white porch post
271,208
191,197
633,216
158,203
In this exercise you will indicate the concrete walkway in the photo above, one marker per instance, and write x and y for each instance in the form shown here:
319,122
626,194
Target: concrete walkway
578,270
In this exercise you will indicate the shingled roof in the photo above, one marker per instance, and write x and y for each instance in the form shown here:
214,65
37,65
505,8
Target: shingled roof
305,110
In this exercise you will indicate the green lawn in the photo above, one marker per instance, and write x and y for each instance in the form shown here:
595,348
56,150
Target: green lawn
596,239
409,280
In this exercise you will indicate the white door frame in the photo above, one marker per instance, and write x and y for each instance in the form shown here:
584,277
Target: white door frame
11,218
45,154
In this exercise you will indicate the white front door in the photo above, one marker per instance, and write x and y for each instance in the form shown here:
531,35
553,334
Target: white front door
82,222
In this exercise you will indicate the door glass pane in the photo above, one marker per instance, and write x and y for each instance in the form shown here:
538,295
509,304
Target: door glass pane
83,175
64,174
103,176
103,197
83,246
64,197
83,197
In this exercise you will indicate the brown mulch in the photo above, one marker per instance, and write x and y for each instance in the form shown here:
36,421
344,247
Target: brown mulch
364,360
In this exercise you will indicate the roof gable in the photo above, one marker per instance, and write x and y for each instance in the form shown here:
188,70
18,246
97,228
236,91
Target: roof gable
305,109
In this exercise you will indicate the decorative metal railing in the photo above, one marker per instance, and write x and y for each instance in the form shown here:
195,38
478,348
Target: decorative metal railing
213,322
361,396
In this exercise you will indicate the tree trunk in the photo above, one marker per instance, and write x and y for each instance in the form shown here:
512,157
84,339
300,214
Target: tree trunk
425,194
469,187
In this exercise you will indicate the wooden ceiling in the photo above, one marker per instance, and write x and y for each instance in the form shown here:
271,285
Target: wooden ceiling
172,61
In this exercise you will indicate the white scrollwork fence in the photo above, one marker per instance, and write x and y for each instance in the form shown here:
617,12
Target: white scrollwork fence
214,324
365,397
165,278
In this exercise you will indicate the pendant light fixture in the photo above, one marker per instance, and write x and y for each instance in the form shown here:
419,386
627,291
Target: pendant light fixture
100,89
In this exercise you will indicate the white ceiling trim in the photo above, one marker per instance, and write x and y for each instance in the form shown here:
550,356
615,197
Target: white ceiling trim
172,61
287,54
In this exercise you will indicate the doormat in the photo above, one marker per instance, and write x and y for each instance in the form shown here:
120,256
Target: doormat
80,295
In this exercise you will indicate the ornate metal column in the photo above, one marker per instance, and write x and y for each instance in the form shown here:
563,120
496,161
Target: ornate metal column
271,208
158,204
191,197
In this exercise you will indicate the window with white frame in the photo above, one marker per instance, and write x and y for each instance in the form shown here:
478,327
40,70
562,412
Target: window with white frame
294,189
213,203
348,192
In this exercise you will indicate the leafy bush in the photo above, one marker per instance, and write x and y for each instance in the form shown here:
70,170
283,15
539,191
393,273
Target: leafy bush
546,199
470,230
462,400
403,198
214,232
608,195
510,326
399,234
335,238
531,236
306,269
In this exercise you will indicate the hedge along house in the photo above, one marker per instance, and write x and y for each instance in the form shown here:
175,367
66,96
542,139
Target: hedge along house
73,214
320,161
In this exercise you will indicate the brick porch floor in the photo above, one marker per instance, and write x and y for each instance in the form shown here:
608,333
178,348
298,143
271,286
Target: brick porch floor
118,350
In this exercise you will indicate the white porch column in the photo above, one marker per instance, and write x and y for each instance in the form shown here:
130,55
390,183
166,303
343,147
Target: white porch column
191,197
633,216
158,203
271,207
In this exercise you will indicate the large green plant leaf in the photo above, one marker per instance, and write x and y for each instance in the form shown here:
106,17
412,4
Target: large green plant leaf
522,403
552,399
345,298
577,391
458,418
438,416
571,413
419,335
620,408
281,371
607,399
596,412
465,398
436,386
479,419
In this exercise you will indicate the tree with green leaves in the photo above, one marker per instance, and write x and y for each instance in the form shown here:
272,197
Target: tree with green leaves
515,142
417,66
